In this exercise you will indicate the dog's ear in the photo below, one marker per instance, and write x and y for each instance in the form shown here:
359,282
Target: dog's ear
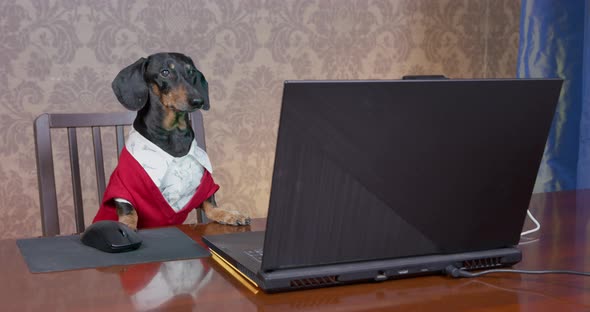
130,86
203,86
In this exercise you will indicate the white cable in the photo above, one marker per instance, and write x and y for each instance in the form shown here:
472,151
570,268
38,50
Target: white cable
538,225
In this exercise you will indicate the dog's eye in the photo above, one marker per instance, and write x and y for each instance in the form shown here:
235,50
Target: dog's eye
191,72
165,73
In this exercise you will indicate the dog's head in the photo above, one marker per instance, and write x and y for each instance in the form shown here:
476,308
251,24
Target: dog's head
172,78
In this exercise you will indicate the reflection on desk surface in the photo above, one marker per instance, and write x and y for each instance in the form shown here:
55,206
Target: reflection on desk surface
152,285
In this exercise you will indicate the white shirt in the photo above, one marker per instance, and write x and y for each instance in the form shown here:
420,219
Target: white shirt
176,177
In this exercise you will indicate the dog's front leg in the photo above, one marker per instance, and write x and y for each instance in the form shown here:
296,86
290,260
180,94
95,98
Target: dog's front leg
223,216
126,212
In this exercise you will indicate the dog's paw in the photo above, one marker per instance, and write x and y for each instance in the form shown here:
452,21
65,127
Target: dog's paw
230,217
129,221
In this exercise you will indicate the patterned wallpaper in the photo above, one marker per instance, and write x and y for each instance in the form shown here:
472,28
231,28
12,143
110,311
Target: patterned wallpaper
61,56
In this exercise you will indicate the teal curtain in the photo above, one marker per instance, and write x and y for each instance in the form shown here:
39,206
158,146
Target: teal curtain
555,42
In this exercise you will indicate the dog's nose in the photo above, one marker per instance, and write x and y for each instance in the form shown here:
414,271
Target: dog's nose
198,103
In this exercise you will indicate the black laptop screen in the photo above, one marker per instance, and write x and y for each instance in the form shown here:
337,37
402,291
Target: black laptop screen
382,169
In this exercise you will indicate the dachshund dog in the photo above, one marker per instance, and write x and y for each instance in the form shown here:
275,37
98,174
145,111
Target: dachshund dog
162,174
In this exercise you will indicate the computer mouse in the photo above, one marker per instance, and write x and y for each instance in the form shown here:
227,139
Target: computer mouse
111,236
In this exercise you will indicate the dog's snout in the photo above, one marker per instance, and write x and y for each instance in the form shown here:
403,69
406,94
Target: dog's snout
197,102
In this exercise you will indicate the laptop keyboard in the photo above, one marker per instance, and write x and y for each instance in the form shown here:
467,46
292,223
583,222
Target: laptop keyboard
255,253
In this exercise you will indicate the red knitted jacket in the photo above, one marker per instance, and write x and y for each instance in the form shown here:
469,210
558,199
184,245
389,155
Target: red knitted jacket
130,182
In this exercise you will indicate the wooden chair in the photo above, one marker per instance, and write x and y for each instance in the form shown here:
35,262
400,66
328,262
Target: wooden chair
45,170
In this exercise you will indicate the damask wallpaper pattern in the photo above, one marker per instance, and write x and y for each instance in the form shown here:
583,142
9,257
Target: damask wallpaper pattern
61,56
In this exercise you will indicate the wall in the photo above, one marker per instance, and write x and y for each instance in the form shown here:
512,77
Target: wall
61,56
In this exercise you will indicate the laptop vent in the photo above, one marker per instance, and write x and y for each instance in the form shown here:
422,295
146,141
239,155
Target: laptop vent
315,281
482,263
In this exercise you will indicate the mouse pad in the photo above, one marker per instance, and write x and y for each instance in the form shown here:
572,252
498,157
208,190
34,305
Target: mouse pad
63,253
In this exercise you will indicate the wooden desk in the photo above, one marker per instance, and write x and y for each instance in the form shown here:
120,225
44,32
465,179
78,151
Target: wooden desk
201,285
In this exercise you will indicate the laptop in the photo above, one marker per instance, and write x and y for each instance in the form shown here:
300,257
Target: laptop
379,180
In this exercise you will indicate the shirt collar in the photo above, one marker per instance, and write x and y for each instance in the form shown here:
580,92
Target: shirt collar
136,145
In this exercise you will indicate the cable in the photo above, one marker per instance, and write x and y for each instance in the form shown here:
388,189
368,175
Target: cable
532,241
538,225
453,271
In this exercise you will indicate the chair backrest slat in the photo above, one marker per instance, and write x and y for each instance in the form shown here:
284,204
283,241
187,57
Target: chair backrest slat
76,183
46,176
98,162
198,128
120,139
45,170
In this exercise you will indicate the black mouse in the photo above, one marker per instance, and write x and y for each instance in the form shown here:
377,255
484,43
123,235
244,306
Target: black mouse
111,236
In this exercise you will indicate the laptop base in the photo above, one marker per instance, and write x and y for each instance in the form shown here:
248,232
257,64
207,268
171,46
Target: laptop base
356,272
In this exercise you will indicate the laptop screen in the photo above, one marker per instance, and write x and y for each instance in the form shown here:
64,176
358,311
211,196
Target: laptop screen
369,170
